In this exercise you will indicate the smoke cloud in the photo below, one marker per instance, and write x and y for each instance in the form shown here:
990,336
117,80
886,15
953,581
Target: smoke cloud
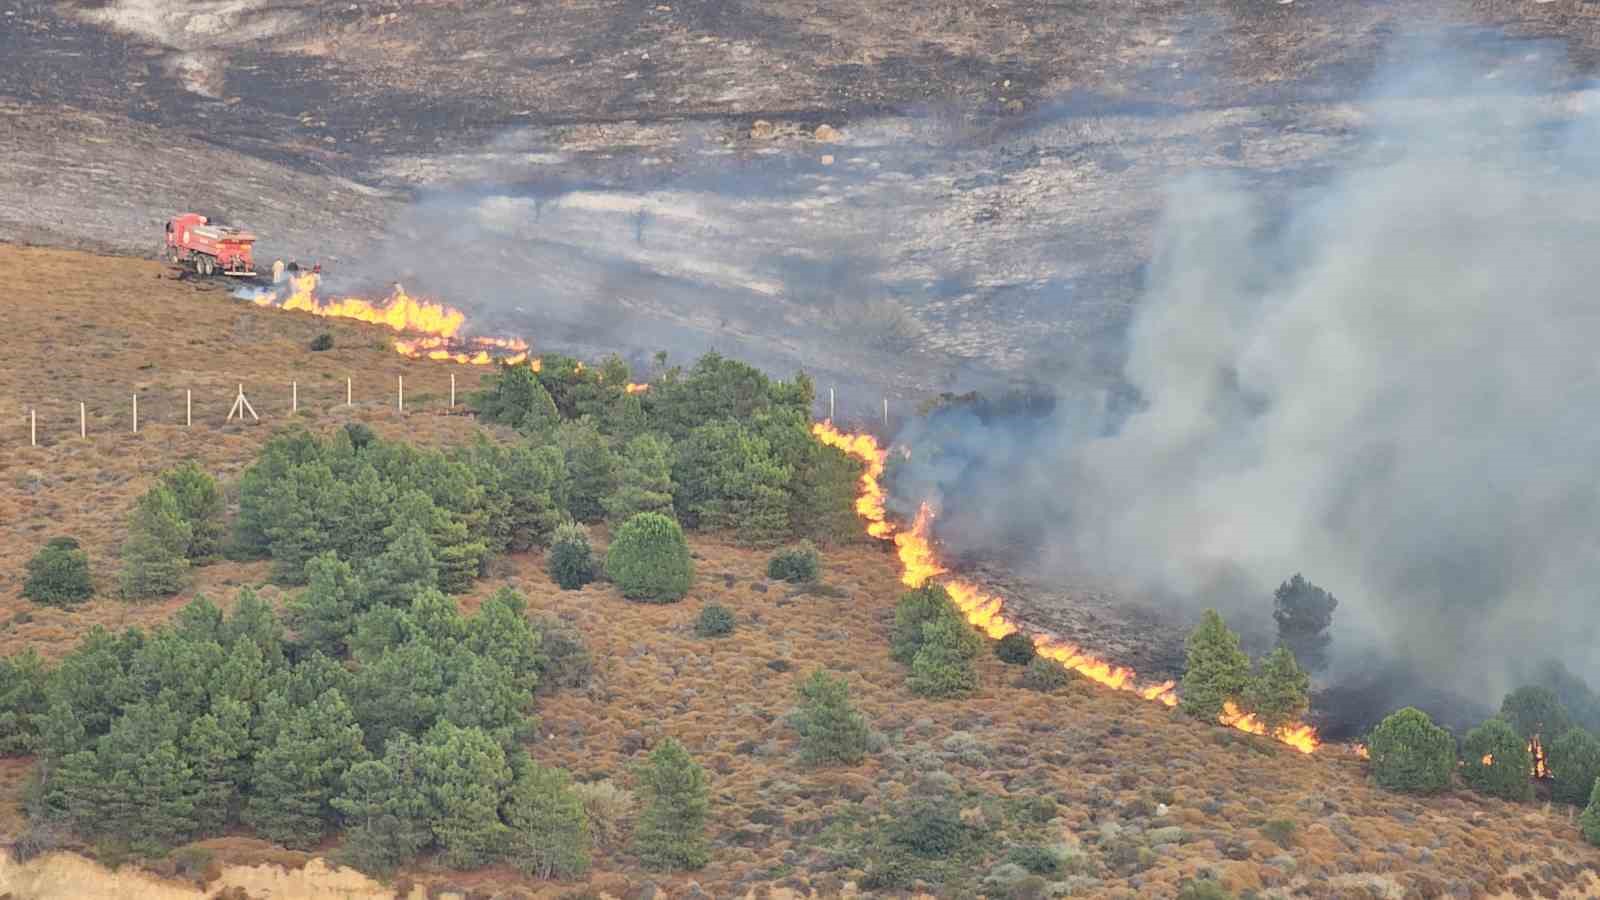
1386,381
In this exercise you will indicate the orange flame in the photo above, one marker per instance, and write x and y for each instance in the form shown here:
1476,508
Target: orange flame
919,562
637,388
401,311
1361,751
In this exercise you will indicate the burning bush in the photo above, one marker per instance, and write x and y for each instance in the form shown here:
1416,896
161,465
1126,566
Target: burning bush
831,730
1411,754
671,831
943,664
1277,694
1496,761
570,560
1216,670
794,564
155,556
1574,760
1016,649
715,621
1303,612
649,559
58,575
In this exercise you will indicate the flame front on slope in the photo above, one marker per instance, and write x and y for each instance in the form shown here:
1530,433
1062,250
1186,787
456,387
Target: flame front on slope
919,562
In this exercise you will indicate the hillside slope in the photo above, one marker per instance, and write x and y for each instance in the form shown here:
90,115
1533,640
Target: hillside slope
1147,796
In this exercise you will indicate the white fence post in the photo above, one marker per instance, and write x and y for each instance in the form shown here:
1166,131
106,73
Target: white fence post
886,412
452,390
83,421
33,428
347,391
400,397
294,396
830,404
135,413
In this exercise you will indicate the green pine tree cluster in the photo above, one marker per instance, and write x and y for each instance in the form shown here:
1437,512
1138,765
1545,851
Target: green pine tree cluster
1217,672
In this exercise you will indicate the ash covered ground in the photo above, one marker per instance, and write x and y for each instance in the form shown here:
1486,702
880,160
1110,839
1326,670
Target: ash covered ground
900,198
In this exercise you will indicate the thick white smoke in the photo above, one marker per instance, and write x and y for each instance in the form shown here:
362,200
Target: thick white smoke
1389,382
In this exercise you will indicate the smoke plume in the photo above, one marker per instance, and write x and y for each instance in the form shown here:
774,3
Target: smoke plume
1384,380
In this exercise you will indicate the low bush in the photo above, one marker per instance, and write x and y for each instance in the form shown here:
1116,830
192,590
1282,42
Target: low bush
1280,832
649,559
321,342
915,609
58,575
570,561
1016,649
1410,754
794,564
610,810
564,659
1036,859
714,621
1204,889
1044,675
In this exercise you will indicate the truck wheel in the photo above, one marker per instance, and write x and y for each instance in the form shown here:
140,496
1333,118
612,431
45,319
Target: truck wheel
211,265
199,264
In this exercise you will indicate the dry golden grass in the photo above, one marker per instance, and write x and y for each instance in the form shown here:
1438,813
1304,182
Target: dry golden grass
90,328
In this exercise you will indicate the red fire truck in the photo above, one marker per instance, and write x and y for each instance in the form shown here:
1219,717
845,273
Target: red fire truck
195,242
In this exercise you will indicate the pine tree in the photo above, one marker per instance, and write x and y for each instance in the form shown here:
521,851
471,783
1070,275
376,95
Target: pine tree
325,613
386,809
916,608
670,833
1496,761
1217,671
649,559
1277,694
1574,761
943,664
23,702
591,469
1589,821
1303,612
200,505
549,828
135,784
296,777
58,575
154,558
1411,754
404,569
465,773
571,560
831,730
217,748
644,480
501,632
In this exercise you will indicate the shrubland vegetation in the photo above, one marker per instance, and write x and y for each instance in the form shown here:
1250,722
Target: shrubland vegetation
58,575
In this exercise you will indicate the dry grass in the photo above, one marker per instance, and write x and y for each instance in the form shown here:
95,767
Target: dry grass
90,328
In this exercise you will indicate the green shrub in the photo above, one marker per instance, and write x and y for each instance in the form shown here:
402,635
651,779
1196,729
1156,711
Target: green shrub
1045,675
565,661
714,621
671,832
1590,819
515,397
1505,775
1278,692
1036,859
58,575
321,342
931,828
831,730
1203,889
1411,754
649,559
571,560
795,564
1216,671
155,556
1574,762
1280,832
943,664
1016,649
915,609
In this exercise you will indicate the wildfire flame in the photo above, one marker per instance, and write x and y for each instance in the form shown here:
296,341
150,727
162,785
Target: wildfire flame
919,562
637,388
